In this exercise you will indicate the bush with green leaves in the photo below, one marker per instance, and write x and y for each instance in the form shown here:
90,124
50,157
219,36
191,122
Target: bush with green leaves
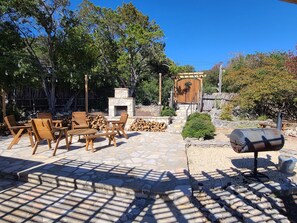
199,116
226,113
198,126
167,111
264,84
262,118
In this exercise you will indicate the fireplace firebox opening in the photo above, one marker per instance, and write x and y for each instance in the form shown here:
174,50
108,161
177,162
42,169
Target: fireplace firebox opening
118,110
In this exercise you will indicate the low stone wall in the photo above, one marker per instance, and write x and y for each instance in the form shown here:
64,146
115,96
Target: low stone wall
216,100
148,110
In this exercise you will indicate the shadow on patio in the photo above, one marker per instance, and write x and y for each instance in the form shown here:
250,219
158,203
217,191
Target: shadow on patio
118,194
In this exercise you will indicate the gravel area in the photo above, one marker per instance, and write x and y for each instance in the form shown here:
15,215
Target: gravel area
215,164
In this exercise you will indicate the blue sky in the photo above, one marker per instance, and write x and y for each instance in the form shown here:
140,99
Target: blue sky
202,33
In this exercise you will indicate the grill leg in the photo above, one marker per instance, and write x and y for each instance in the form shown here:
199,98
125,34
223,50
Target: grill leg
255,175
255,163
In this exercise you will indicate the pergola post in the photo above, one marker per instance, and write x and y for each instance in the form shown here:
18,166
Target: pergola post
3,95
160,88
86,94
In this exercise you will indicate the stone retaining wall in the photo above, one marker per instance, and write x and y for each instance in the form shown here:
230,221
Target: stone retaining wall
148,110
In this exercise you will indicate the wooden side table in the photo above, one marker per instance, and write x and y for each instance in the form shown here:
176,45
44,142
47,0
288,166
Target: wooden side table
79,132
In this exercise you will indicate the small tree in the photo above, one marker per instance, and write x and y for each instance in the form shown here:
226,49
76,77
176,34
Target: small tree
211,80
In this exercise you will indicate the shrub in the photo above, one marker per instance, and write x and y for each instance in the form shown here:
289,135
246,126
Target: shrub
226,113
198,126
199,116
262,118
167,111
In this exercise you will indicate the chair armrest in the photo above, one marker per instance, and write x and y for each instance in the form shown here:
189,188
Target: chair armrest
57,121
60,128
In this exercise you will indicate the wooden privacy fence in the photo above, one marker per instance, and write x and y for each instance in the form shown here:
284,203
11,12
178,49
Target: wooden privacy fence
216,100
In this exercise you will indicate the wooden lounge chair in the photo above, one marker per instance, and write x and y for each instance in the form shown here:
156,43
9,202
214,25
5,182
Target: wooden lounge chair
17,130
43,130
79,120
56,123
119,125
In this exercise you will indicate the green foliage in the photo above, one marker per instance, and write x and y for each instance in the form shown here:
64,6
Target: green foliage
147,92
11,48
175,69
167,86
211,80
139,41
262,118
52,47
263,84
226,113
167,111
197,115
41,29
198,126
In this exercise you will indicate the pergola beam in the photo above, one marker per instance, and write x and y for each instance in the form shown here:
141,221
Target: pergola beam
290,1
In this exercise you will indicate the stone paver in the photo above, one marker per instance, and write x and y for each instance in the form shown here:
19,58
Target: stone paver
148,178
29,202
146,164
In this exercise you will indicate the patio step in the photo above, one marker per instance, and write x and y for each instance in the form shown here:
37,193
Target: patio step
105,178
179,120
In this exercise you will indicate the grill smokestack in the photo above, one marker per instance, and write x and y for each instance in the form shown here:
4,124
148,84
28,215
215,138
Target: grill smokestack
279,121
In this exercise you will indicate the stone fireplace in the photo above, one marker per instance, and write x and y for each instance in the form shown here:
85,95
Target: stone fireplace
121,102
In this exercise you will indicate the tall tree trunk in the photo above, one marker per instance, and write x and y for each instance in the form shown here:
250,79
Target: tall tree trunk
133,81
70,101
52,106
50,93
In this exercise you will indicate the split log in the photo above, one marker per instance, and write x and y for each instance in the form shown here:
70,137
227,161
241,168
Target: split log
148,126
99,122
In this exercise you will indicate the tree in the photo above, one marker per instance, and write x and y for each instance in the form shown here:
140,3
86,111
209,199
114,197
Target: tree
175,69
15,65
39,23
99,24
130,48
263,84
291,62
139,41
210,82
10,48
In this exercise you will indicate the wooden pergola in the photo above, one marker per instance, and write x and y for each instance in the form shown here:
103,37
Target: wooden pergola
290,1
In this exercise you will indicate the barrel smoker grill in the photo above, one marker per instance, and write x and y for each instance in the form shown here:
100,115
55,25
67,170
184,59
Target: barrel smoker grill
257,140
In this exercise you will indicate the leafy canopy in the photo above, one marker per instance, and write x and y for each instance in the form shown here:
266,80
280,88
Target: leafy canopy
263,83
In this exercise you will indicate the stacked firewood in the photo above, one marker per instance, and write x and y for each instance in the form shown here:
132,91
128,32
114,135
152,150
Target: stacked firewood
66,121
148,126
99,122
